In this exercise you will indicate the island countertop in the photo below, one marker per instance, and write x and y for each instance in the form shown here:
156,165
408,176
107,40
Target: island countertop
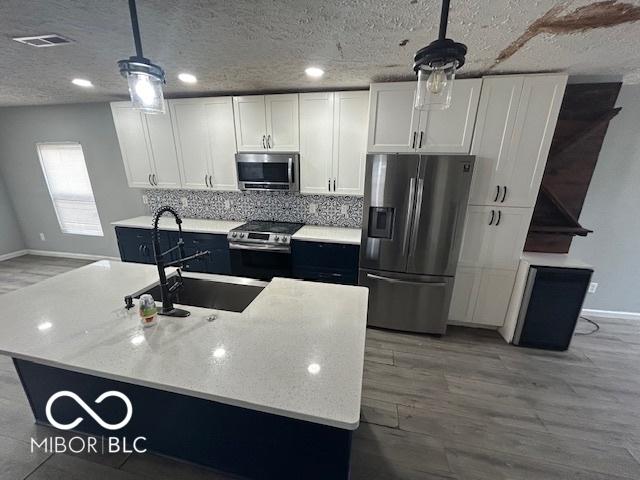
297,350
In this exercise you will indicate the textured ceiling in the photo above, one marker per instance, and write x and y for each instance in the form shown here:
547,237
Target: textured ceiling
249,46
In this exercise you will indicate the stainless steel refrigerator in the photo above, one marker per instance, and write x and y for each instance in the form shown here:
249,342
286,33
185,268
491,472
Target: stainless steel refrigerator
414,212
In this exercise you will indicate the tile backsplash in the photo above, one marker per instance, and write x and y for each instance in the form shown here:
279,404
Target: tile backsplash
338,211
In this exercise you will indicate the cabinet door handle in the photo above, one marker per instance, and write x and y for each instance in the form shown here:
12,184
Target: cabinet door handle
150,183
334,184
211,181
493,215
421,135
413,144
504,194
155,182
269,142
499,217
495,199
140,249
206,180
329,184
264,145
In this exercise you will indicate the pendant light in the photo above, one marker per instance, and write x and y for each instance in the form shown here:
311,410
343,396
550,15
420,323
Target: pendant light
436,66
145,79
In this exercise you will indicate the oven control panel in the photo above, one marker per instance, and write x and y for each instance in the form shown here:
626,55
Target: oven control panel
259,237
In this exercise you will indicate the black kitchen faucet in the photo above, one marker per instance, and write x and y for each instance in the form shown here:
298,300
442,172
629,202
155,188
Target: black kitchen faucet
167,292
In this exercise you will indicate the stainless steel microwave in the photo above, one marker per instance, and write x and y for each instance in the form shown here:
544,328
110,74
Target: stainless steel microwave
268,171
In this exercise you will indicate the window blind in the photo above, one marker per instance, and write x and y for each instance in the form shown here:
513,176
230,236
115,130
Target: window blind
68,181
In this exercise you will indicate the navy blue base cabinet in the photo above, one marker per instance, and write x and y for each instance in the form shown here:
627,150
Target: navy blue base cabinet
232,439
325,262
136,245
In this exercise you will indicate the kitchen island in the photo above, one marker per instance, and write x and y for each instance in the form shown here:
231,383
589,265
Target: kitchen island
271,392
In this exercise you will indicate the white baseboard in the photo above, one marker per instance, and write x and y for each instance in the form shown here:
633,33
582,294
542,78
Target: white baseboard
18,253
611,314
79,256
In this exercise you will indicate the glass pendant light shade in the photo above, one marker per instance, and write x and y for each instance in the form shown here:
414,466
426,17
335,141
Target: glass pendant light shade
435,85
146,92
145,78
436,66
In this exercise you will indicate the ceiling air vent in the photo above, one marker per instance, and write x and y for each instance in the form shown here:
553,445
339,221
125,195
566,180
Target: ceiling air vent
50,40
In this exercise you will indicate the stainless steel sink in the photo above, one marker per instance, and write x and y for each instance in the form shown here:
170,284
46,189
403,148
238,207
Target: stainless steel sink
231,294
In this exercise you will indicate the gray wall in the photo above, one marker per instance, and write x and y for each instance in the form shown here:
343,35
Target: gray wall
10,234
92,126
612,210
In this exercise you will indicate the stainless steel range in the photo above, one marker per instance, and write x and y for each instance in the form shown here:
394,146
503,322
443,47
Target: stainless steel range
262,249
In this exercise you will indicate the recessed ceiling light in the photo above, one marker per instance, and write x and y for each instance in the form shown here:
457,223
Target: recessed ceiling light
81,82
187,78
314,72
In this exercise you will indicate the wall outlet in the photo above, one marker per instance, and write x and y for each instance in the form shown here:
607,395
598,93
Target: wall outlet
42,237
183,202
145,200
593,286
227,204
344,209
313,208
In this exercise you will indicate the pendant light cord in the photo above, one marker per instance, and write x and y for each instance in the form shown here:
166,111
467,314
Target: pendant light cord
444,19
136,28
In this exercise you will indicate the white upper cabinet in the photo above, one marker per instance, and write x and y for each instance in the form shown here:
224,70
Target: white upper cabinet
535,125
316,142
205,140
393,122
395,126
147,147
349,142
267,122
516,120
451,130
218,112
190,132
251,123
282,122
333,142
494,236
163,150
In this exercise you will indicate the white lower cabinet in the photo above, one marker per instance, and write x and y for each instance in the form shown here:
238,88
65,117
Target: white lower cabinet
333,142
494,236
481,296
493,296
465,294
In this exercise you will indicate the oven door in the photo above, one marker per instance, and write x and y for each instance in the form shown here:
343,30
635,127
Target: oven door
268,171
262,262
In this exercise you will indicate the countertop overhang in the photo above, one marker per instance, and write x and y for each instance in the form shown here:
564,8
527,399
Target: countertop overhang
296,351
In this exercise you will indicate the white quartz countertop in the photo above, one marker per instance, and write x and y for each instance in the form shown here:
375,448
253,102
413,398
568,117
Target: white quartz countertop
314,233
167,222
296,351
553,260
309,233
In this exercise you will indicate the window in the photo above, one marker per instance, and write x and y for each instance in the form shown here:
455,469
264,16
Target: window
66,174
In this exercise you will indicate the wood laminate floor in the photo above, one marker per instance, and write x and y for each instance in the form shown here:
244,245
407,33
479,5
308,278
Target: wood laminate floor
464,407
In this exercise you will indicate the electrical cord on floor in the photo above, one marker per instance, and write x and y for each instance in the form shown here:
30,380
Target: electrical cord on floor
597,327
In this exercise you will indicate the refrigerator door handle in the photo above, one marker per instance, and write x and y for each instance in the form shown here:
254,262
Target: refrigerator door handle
416,216
407,223
410,282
